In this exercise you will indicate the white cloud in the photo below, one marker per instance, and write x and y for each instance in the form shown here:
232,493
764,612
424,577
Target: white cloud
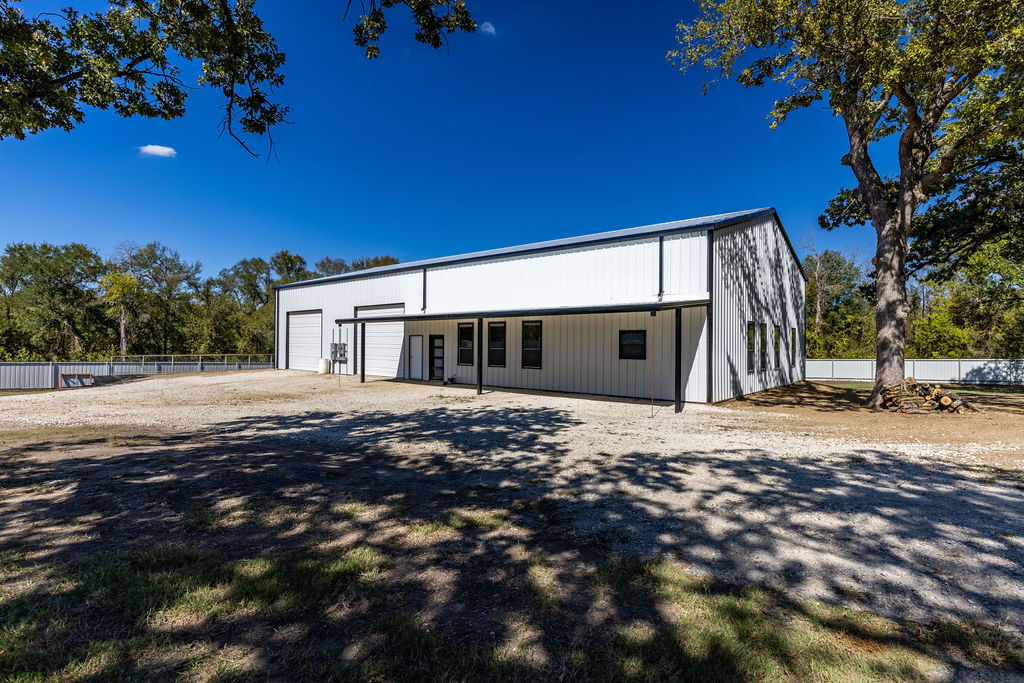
157,151
488,28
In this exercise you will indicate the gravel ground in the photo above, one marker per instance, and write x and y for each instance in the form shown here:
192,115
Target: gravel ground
893,524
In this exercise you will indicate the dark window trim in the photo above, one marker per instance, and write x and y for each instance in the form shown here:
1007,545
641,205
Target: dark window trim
751,347
540,351
792,350
504,350
458,344
644,344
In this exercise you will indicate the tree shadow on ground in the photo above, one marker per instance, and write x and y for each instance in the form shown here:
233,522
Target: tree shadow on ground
454,534
815,395
840,399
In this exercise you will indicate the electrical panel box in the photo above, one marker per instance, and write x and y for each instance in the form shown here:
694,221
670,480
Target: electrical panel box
339,352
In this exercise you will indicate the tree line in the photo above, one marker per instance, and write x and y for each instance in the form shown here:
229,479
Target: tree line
66,302
975,310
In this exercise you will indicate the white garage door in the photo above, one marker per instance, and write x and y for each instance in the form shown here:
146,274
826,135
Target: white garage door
383,340
304,341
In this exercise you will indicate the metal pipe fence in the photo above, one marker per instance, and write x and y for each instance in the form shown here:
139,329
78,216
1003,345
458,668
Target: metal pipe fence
1006,371
48,375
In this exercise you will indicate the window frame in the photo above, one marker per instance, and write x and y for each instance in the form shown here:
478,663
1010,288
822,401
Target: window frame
504,348
540,345
643,345
751,347
458,344
792,350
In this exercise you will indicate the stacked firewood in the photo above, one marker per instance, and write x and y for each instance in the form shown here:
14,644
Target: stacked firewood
922,397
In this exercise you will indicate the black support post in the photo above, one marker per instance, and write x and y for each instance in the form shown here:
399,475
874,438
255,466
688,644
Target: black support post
479,356
679,359
362,352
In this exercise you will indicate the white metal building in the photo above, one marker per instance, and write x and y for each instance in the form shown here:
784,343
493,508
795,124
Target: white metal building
699,310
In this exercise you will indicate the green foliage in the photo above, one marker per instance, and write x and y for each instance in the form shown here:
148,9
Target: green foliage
434,19
127,57
977,311
337,266
331,266
51,291
373,262
839,316
65,302
937,336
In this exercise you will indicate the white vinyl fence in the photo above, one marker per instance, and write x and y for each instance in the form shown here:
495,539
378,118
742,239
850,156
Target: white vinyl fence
56,375
952,370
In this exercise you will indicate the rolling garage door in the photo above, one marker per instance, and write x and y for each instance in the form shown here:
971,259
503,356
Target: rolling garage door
304,337
383,340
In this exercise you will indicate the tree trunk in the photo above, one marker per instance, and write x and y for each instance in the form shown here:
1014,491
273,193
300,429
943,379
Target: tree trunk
892,306
124,331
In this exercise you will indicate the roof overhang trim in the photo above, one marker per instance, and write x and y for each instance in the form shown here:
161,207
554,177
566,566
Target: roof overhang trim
653,307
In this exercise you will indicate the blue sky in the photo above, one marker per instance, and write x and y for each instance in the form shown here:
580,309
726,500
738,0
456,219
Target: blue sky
564,120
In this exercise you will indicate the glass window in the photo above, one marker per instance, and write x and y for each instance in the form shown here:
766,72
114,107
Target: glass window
792,346
632,344
778,346
496,344
465,343
751,343
531,343
764,346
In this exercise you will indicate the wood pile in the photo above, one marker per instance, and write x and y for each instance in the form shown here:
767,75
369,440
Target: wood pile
922,397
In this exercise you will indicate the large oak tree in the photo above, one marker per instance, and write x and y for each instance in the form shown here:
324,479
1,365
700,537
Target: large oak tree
943,77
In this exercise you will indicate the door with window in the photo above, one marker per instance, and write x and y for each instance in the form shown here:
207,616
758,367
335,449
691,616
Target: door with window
436,356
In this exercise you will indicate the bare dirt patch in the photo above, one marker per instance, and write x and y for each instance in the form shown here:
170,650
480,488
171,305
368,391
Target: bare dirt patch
995,437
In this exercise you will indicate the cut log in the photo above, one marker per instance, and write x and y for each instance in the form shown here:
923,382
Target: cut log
946,401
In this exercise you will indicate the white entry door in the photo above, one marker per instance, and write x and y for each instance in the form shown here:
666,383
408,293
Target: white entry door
383,340
416,356
304,335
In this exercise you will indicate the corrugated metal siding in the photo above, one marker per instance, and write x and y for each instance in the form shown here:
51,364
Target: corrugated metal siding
47,375
26,376
756,279
617,273
580,354
686,265
340,299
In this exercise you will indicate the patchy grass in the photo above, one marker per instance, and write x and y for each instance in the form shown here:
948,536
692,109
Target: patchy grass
60,433
460,520
351,511
165,612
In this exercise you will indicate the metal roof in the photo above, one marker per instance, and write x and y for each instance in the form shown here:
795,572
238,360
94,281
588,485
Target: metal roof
703,223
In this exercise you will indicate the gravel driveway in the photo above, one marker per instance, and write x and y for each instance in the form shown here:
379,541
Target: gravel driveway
894,525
